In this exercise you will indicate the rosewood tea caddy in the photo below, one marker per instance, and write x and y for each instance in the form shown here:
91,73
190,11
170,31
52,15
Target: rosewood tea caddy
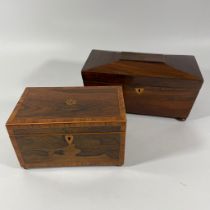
153,84
69,126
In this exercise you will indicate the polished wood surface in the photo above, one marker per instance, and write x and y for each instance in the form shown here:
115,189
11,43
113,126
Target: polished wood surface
53,127
169,84
54,150
71,105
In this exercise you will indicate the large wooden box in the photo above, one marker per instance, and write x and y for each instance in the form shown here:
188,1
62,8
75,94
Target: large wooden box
153,84
52,127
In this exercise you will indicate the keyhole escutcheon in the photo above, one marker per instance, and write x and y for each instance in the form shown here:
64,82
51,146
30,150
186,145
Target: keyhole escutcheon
69,139
139,90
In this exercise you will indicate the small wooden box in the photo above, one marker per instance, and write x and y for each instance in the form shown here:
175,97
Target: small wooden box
153,84
52,127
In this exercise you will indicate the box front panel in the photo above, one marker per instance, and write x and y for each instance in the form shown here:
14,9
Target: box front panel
160,101
71,149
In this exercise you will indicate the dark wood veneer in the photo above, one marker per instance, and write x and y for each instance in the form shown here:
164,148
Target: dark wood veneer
153,84
52,127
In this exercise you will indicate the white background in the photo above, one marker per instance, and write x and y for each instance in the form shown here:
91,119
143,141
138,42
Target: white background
45,43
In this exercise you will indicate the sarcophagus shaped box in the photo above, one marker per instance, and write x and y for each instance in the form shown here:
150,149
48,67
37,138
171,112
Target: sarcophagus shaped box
153,84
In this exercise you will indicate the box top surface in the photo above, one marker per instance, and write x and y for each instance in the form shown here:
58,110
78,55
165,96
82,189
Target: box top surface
69,105
141,65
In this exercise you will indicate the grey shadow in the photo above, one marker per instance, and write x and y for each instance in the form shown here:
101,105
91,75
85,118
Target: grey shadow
55,73
150,139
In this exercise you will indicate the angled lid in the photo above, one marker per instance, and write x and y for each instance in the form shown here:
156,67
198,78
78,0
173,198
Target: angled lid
72,105
130,67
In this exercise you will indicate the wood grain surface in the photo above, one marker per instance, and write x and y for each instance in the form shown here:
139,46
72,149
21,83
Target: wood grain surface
169,84
54,127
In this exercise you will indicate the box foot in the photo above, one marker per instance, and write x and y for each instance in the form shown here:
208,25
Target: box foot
181,119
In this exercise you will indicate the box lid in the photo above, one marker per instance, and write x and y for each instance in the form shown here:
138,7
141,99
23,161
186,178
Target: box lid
69,105
130,68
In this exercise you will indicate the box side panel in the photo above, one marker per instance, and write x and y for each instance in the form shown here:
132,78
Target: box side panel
122,149
15,146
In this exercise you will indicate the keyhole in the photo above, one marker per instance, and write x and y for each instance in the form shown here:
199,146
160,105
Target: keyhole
69,139
139,90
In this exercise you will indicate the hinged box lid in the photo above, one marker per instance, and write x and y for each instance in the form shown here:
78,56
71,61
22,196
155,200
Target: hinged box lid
133,69
80,109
